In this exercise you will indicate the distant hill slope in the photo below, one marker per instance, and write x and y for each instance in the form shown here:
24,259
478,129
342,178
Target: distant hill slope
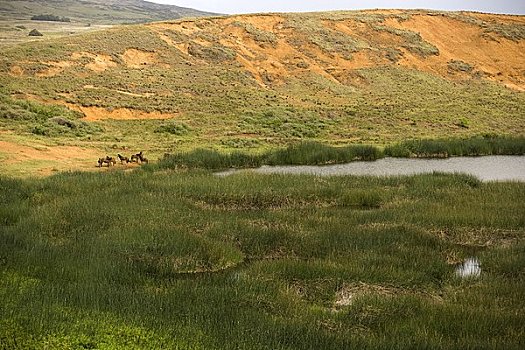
368,76
96,11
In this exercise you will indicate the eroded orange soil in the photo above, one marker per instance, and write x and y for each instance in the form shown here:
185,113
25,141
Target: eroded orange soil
502,60
99,113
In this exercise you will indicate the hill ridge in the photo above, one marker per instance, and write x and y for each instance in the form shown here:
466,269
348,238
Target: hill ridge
98,11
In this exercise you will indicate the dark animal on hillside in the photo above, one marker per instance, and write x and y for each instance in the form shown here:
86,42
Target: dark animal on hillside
139,157
122,158
142,158
107,160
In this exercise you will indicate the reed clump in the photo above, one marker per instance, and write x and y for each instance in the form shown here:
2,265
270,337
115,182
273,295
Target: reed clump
442,148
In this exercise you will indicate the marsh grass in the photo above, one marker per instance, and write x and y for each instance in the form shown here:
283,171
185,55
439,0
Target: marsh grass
190,260
315,153
476,146
304,153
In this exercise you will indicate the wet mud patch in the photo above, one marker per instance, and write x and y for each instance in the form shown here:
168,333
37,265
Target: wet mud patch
349,293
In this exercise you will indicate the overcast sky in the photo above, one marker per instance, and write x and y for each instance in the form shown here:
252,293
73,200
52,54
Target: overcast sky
248,6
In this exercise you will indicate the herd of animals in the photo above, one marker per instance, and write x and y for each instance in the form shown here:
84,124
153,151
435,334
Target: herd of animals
135,158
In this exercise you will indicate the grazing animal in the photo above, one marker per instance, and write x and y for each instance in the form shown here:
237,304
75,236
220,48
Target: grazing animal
123,158
107,160
139,157
142,158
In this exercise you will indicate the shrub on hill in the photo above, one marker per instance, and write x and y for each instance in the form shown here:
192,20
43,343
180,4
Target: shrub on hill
44,120
173,128
35,32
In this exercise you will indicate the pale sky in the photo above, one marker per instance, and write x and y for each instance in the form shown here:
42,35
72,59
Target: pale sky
243,6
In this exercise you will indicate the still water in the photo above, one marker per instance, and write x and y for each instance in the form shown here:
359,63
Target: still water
487,168
470,268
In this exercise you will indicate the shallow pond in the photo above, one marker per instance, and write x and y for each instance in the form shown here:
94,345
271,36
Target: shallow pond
487,168
470,268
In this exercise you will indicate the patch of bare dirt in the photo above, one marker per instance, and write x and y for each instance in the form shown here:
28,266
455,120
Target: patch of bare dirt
185,27
269,22
268,64
166,38
100,63
54,69
99,113
136,58
501,60
488,17
59,157
183,47
127,93
16,71
19,152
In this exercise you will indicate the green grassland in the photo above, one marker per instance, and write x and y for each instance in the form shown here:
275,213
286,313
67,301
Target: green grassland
169,255
188,260
84,16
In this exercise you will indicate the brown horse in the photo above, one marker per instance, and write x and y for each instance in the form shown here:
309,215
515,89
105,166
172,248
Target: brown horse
122,158
107,160
139,157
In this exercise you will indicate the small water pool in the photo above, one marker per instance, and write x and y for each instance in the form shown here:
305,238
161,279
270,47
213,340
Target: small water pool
486,168
470,268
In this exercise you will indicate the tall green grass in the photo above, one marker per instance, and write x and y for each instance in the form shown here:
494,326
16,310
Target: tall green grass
305,153
475,146
188,260
314,153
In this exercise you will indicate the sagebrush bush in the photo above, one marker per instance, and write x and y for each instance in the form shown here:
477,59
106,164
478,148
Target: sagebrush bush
173,128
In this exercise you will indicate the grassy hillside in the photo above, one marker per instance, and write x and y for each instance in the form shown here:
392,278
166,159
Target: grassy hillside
95,11
261,81
83,16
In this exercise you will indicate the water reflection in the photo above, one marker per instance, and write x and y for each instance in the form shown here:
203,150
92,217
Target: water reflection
469,268
488,168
